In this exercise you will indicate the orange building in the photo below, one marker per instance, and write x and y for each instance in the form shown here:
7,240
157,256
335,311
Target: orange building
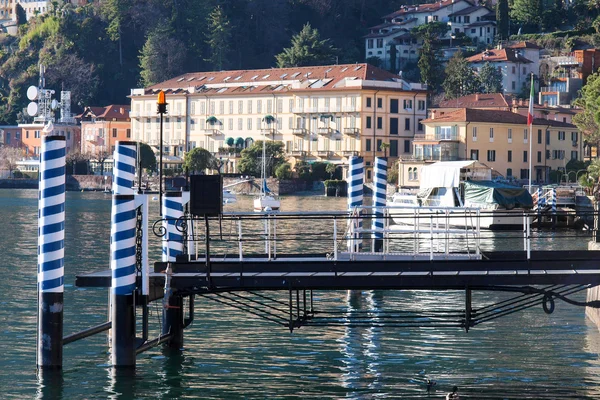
31,135
10,135
102,127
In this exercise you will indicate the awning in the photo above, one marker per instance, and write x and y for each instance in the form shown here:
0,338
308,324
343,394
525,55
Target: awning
447,173
239,141
230,141
268,119
212,120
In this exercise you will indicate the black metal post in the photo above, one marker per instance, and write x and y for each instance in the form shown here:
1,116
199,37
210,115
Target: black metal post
50,330
123,331
173,322
468,309
160,167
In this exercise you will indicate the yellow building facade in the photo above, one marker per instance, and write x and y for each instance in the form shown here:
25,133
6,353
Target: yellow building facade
325,113
499,139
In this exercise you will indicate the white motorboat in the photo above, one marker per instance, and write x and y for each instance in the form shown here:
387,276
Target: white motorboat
461,194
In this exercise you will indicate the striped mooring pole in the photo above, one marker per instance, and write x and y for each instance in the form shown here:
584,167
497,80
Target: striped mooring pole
554,200
51,252
122,251
379,195
355,200
172,211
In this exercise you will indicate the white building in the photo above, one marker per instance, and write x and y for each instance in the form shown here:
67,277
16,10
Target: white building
324,113
476,22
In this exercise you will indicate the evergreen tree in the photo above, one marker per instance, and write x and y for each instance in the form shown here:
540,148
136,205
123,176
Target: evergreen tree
307,49
393,59
251,158
460,78
490,78
588,121
528,12
161,58
21,15
218,38
502,18
429,64
198,160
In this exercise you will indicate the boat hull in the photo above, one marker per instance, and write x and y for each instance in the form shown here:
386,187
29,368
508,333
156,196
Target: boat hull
457,218
264,203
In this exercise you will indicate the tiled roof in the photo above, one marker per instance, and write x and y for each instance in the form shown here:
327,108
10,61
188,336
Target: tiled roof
422,8
468,10
324,77
494,117
392,24
524,45
498,55
110,112
477,101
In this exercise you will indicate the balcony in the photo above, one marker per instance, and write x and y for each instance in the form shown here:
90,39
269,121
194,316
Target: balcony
349,108
268,131
324,153
228,152
351,131
349,153
419,136
326,131
135,114
299,131
324,109
213,131
298,153
335,109
298,110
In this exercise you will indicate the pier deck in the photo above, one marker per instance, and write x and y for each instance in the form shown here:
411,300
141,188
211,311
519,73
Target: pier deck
317,272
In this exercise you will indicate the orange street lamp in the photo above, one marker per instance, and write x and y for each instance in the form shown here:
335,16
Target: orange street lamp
161,109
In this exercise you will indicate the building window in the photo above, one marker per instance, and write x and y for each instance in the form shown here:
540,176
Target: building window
574,137
561,135
474,133
539,156
574,155
513,84
368,145
420,125
539,136
510,156
241,106
370,44
510,136
114,132
407,146
394,106
547,137
525,156
379,143
128,133
514,69
421,105
491,134
379,102
379,43
368,122
249,124
491,155
369,101
509,172
475,155
393,148
379,122
524,173
524,135
407,124
547,154
393,126
408,104
249,107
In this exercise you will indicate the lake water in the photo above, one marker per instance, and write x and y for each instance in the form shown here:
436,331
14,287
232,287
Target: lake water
230,354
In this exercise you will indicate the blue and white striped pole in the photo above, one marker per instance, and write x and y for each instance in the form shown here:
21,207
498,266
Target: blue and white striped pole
355,199
379,195
51,252
172,211
553,200
122,251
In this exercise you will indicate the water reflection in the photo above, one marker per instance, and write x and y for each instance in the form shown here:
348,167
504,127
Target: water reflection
50,384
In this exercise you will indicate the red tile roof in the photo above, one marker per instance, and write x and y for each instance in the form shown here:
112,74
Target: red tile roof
494,117
498,55
479,100
524,45
324,77
113,111
423,8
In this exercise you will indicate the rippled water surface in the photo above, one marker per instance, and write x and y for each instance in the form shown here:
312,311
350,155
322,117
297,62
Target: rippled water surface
230,354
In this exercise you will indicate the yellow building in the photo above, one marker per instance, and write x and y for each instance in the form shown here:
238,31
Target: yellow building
499,139
323,113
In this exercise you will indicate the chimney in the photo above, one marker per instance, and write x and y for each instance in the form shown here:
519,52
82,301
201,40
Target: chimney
514,102
121,110
432,114
476,96
520,102
545,104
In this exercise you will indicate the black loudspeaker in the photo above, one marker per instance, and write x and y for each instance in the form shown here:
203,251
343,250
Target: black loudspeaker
206,195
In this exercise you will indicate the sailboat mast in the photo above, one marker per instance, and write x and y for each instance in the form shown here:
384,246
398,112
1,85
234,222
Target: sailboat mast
264,168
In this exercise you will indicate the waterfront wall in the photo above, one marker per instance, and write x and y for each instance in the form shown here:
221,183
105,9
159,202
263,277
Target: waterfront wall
74,182
593,294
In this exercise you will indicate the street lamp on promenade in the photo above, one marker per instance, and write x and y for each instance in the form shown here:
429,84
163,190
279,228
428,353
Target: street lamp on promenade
162,109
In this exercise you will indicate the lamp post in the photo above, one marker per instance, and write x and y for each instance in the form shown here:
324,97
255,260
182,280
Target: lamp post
162,109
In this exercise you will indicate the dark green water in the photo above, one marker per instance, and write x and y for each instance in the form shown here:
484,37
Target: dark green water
229,354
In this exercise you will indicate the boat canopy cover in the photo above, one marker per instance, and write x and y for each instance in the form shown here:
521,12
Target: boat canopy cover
450,173
488,192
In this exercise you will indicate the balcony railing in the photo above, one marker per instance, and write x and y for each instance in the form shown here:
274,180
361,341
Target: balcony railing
349,153
324,153
351,131
324,131
298,153
551,89
268,131
299,131
213,131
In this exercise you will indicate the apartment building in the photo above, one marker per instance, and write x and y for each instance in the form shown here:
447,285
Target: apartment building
10,135
31,135
499,139
323,113
102,127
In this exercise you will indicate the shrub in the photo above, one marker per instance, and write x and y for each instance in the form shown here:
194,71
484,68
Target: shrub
284,171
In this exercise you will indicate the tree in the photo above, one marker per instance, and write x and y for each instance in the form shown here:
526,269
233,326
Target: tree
284,171
588,121
393,59
199,160
251,158
502,18
460,78
307,49
218,38
77,163
528,12
161,58
330,169
490,79
429,64
21,15
147,157
9,157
